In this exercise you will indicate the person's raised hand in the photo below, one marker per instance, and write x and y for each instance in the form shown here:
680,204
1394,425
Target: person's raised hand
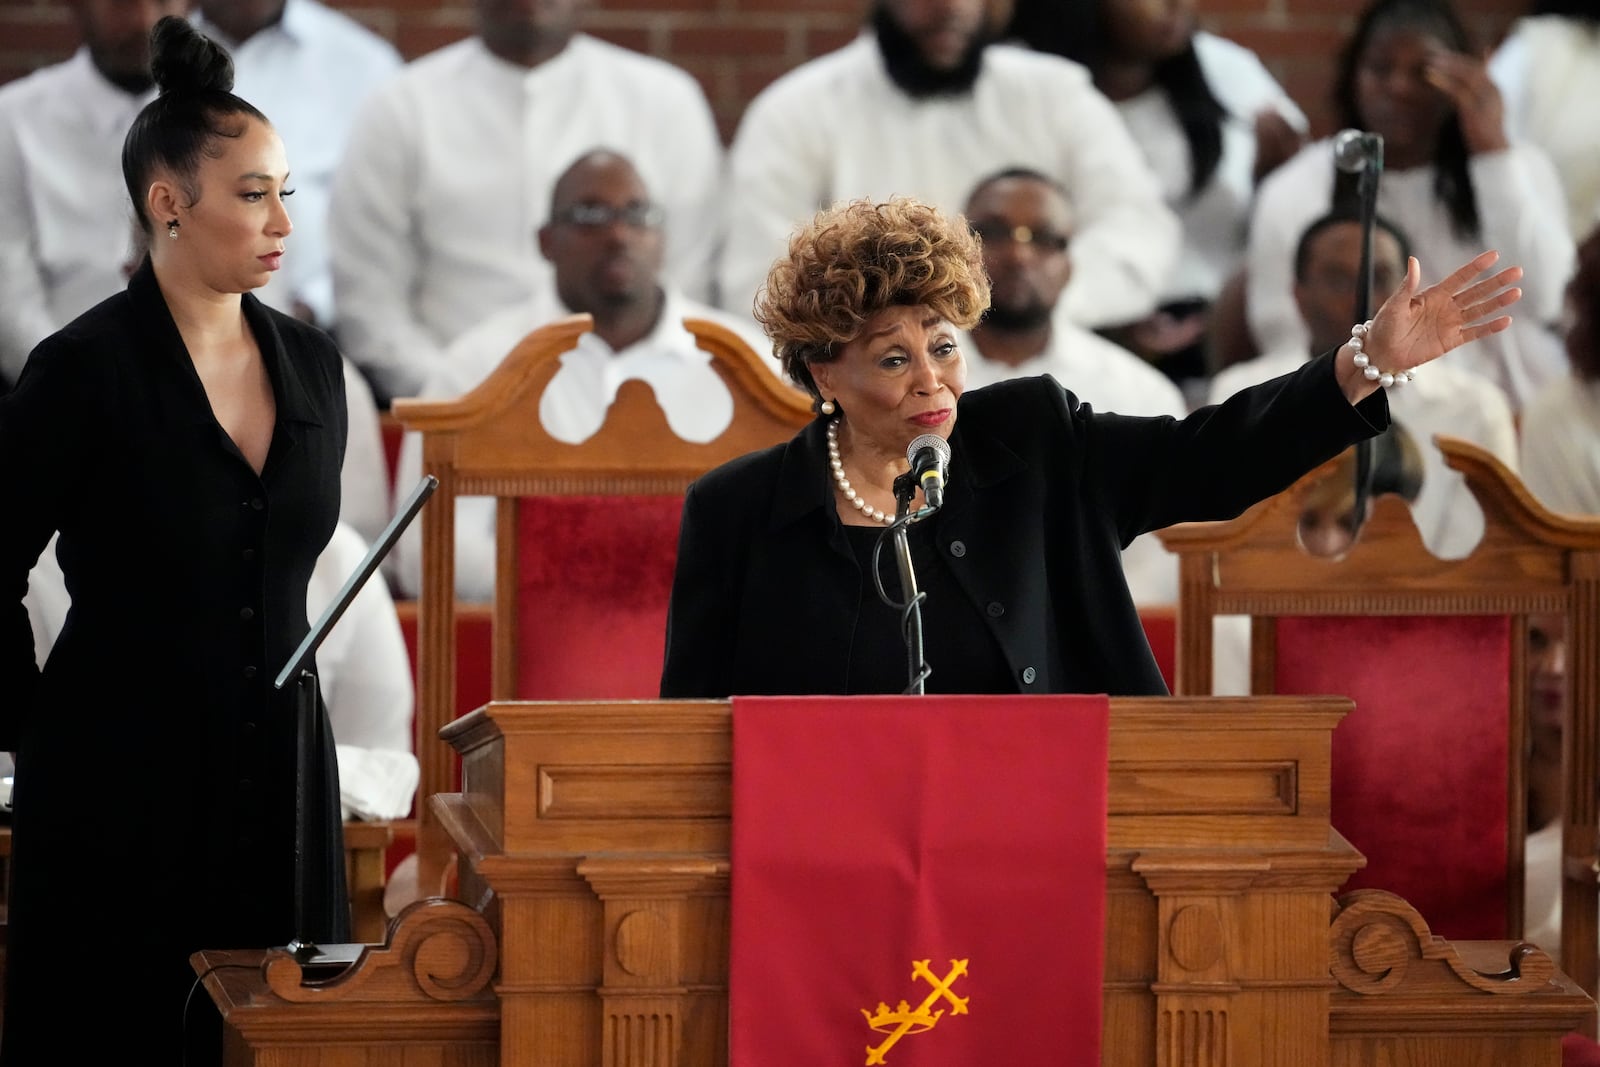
1479,106
1416,325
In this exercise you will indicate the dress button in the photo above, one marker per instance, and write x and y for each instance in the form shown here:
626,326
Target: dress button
249,554
245,785
249,673
995,610
249,729
257,503
246,614
1028,675
958,549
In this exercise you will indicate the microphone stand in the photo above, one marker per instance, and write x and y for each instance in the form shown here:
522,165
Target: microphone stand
310,757
1367,198
917,669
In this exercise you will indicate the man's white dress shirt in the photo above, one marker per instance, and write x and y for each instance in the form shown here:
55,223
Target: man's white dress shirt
309,74
693,397
449,174
1108,378
837,128
66,223
1521,215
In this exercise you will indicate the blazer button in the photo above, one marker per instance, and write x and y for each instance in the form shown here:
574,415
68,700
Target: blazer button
995,610
249,554
958,549
1028,675
249,673
246,614
256,503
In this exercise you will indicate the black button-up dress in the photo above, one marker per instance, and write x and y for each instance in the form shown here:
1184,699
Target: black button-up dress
154,803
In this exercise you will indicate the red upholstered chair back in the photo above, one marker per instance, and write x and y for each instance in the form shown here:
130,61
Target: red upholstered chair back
593,577
1427,767
585,534
1422,768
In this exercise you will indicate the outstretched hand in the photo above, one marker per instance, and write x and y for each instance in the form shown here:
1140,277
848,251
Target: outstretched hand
1416,325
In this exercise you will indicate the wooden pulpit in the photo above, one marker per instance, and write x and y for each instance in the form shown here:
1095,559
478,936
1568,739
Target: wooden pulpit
592,840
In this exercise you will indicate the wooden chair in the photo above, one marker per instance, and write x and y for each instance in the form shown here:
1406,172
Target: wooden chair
1433,652
624,486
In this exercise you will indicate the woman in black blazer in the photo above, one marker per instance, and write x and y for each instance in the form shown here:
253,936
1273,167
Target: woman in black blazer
186,442
1021,565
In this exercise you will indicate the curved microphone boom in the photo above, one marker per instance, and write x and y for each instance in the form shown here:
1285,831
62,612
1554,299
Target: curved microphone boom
929,455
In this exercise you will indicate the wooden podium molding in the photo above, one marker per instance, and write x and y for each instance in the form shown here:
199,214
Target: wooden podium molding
592,842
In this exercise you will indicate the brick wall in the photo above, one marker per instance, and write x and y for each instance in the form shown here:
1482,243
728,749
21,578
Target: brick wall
735,47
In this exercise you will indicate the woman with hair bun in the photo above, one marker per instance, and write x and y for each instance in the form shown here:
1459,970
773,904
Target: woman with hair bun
185,441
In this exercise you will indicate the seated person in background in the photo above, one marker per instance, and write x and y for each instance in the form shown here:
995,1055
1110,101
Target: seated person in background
363,672
1328,520
65,217
1547,688
1451,179
1548,71
604,241
1446,399
923,104
451,165
1025,224
1210,120
1561,428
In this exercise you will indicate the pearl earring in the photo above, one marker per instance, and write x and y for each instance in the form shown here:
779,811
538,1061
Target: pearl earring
172,229
829,407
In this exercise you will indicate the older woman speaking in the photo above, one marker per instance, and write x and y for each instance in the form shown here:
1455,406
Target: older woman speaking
775,592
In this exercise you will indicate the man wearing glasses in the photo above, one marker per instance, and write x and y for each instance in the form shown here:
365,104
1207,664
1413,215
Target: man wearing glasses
603,240
1026,224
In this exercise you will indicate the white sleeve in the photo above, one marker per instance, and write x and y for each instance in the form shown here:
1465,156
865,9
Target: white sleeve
25,317
1522,215
1125,237
365,676
693,198
375,255
475,528
1284,208
778,178
364,480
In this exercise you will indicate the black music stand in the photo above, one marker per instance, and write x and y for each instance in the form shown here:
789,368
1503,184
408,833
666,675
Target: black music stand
302,668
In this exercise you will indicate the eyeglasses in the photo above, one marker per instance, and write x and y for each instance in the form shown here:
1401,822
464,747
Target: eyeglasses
644,216
998,233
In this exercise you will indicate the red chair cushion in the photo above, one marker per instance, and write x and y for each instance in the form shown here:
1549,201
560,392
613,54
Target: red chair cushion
595,574
1420,766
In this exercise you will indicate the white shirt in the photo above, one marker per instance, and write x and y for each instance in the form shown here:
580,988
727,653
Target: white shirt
449,174
1444,399
1520,213
309,73
837,128
1548,71
1561,446
363,671
66,223
364,478
1109,378
693,397
1214,219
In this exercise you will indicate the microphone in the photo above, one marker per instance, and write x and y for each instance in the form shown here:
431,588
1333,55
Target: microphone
1355,150
929,455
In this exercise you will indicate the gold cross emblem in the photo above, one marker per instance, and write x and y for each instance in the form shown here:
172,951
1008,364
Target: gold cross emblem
905,1019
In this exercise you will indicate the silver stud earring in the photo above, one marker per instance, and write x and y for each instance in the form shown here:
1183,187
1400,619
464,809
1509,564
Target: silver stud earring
829,407
172,229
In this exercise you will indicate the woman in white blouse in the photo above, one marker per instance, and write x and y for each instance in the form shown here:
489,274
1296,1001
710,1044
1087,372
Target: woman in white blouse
1210,120
1452,179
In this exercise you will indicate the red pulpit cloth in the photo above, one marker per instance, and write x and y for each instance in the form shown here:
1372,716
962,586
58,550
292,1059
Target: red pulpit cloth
917,881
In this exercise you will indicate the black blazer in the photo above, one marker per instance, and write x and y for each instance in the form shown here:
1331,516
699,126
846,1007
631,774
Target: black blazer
1042,496
155,763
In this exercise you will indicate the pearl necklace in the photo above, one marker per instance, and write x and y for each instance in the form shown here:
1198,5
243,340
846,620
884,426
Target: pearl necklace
843,483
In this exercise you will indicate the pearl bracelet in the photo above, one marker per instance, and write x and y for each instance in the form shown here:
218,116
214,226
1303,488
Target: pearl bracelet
1358,334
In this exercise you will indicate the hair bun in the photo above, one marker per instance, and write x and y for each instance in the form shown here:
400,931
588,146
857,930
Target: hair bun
183,60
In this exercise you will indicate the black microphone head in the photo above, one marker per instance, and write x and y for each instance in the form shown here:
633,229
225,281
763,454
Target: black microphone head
940,446
1354,150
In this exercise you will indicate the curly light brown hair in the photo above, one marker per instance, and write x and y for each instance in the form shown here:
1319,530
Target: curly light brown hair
854,260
